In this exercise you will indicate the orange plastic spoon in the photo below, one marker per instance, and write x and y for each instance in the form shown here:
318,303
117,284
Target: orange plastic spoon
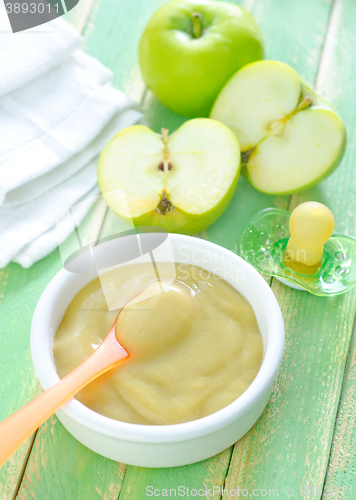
19,426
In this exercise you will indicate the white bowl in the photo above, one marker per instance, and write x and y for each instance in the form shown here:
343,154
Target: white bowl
169,445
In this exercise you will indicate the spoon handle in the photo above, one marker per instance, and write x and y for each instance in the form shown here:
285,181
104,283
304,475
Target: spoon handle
18,427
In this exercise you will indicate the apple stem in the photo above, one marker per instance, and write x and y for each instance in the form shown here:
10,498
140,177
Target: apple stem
306,103
164,132
196,24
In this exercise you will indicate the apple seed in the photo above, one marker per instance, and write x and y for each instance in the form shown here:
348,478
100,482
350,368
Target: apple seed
164,163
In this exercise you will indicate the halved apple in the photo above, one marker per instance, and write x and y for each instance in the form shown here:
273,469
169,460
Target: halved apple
181,182
289,137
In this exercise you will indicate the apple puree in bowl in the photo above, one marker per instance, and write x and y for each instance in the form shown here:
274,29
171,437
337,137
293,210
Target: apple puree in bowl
194,345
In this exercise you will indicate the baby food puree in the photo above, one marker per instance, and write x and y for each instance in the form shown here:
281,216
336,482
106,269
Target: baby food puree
194,345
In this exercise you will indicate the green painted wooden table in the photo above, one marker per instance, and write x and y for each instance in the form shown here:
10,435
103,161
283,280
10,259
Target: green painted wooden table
306,437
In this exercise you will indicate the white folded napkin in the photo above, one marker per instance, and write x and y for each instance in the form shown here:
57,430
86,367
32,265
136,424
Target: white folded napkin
53,128
27,55
51,119
24,223
48,241
125,115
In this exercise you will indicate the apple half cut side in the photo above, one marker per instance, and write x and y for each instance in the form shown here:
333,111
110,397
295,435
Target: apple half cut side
182,182
290,138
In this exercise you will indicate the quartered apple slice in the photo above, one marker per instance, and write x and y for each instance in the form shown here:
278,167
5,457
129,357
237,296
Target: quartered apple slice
181,182
289,137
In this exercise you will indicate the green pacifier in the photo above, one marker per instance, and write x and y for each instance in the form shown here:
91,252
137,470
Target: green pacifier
299,250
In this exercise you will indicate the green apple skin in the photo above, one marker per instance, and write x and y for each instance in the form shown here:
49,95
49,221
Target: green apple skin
186,73
177,221
320,103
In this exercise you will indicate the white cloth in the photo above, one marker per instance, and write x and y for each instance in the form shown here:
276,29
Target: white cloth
50,120
125,115
24,223
27,55
48,241
53,128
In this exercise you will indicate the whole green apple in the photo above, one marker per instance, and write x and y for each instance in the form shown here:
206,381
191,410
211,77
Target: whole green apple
190,48
182,182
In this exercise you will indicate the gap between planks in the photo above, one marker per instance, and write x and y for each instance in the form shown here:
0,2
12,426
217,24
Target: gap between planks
24,465
97,221
79,19
328,47
339,406
322,71
322,75
292,202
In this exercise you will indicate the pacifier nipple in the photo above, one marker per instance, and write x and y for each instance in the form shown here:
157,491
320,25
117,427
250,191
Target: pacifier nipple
311,224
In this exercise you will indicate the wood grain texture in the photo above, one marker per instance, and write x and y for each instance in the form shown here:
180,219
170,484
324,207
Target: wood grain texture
112,35
20,290
142,482
61,468
338,81
79,15
290,444
248,461
341,474
57,460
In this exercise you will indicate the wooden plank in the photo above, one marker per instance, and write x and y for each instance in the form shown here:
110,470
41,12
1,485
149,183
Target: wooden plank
61,468
340,478
112,35
142,482
20,291
79,15
57,460
208,472
227,230
338,79
290,445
